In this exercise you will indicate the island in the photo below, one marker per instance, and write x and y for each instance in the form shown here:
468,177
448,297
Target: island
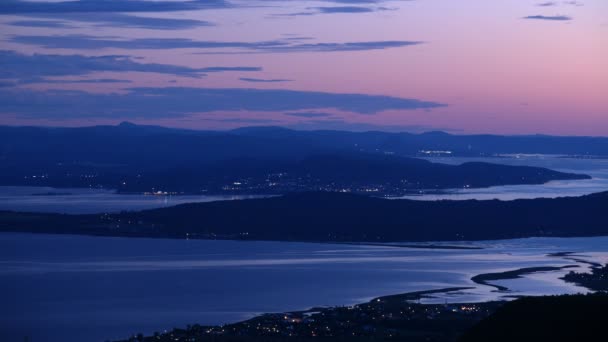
336,217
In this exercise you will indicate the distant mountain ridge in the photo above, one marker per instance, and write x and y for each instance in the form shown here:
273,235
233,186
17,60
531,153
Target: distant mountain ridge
297,143
268,160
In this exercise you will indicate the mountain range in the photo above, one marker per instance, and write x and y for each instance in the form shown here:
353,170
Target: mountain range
270,160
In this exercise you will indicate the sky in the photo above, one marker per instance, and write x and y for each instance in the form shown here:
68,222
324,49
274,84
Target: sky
461,66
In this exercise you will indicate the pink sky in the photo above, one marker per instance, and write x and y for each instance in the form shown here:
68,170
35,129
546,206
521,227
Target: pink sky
495,71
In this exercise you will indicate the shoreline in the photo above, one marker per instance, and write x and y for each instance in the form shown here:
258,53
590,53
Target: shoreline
431,246
455,301
381,317
368,320
408,193
487,278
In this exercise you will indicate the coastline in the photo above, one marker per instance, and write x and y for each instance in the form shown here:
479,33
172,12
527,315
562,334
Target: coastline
486,278
386,317
465,297
391,317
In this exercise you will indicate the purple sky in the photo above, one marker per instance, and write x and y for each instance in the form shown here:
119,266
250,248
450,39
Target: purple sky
470,66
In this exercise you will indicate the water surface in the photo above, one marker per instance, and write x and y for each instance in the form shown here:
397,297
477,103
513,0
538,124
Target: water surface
79,288
91,201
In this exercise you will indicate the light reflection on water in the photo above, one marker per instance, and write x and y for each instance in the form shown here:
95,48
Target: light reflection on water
112,287
90,201
75,288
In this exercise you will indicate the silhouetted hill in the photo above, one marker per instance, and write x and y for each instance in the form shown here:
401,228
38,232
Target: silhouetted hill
560,318
129,143
357,172
409,144
339,217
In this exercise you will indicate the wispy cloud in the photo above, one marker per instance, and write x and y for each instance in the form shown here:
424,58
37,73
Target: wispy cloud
43,80
106,6
23,67
224,69
247,120
309,114
126,21
42,23
141,6
336,10
261,80
109,12
86,42
550,18
555,3
176,102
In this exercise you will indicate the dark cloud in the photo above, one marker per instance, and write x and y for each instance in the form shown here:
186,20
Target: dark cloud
299,38
336,10
42,23
140,6
275,46
550,18
92,42
110,12
355,2
554,3
22,67
350,46
261,80
4,84
247,120
348,2
224,69
127,21
309,114
349,9
55,81
176,102
106,6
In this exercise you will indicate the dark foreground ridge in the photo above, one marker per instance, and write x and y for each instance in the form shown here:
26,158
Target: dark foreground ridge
555,318
398,318
337,217
390,318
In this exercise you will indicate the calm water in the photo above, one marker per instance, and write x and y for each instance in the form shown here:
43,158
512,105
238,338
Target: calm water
90,201
596,168
76,288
